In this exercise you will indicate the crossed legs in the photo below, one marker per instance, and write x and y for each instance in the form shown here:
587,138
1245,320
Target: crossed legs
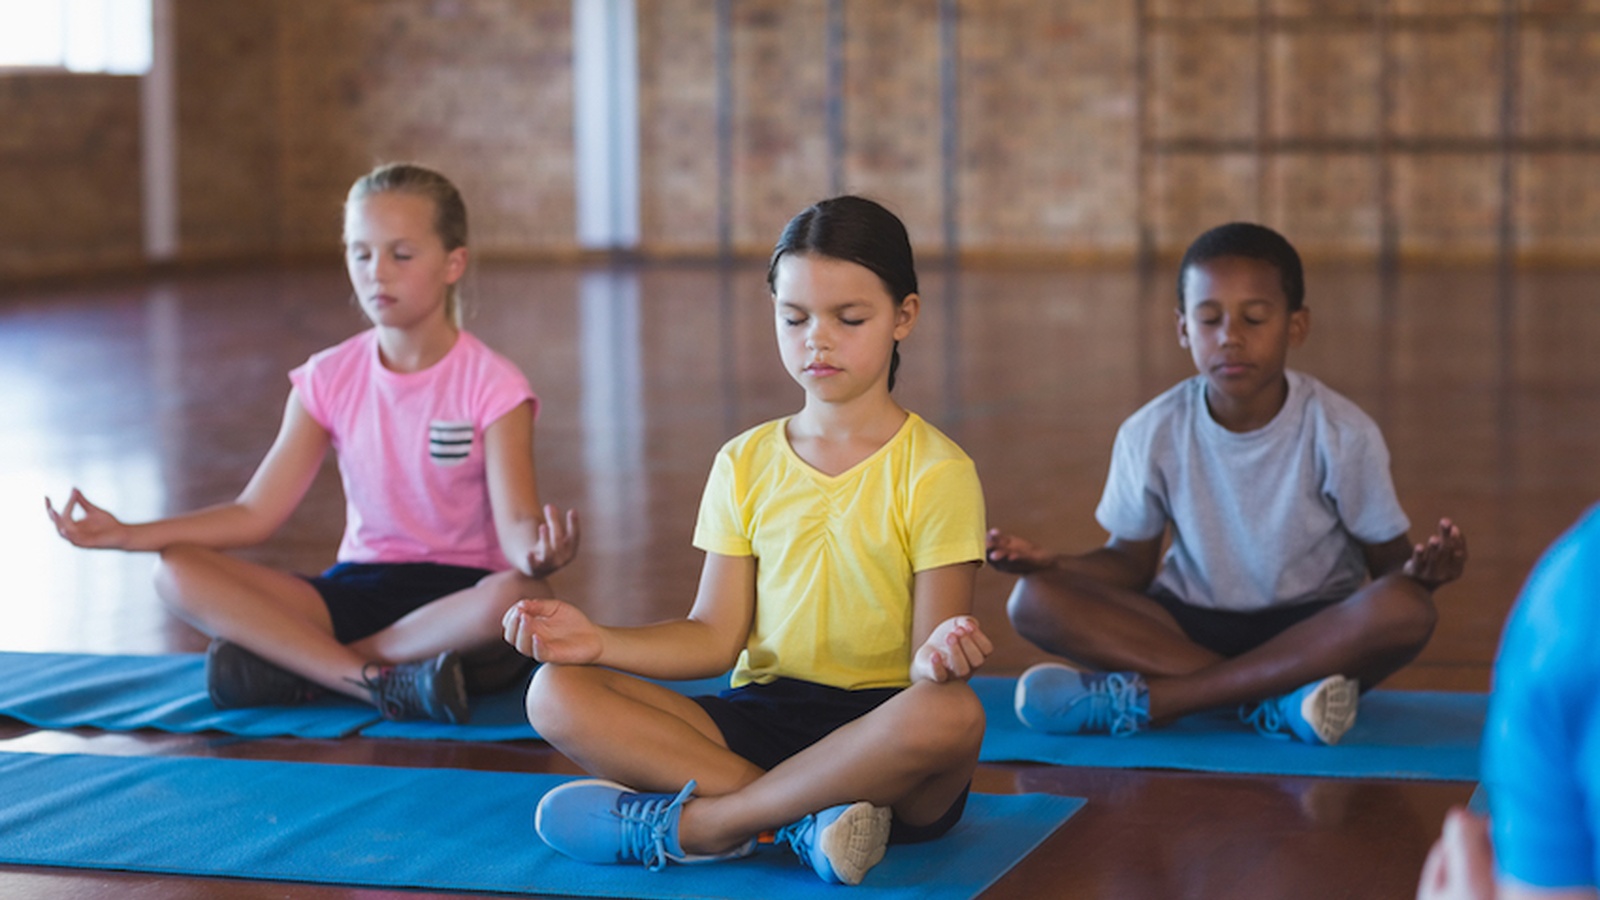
1366,637
282,618
914,754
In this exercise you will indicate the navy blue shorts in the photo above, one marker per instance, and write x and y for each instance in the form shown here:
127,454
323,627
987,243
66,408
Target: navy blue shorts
768,723
365,598
1230,633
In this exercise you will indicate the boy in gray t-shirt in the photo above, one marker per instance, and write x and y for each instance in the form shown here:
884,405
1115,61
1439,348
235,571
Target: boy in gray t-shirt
1277,494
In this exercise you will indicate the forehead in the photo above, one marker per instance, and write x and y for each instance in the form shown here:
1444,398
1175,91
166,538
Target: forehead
811,280
394,214
1235,279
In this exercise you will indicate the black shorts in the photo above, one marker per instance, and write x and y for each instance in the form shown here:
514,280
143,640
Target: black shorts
365,598
1230,633
768,723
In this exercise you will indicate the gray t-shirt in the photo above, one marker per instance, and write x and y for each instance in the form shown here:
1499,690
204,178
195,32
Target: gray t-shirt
1264,518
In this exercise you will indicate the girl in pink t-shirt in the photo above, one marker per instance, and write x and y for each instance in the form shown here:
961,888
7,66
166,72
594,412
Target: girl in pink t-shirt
444,531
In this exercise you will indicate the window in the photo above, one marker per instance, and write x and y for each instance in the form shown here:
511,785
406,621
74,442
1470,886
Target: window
77,35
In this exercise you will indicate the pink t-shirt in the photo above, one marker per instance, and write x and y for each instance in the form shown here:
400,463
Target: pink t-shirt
410,448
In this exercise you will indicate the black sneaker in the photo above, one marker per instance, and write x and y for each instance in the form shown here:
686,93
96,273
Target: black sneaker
495,668
429,689
236,678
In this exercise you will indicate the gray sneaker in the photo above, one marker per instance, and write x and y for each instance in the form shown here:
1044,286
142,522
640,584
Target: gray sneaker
429,689
237,678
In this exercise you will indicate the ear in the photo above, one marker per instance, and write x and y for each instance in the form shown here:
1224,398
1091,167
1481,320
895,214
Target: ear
1299,326
455,265
1183,330
905,316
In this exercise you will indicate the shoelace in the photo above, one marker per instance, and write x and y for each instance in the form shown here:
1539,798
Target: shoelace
1266,717
647,819
1114,705
798,835
394,690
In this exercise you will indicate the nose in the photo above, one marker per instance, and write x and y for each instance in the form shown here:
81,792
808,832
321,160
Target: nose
818,336
1232,331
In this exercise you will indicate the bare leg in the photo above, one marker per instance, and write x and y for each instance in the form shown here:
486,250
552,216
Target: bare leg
1367,637
1102,627
282,619
915,753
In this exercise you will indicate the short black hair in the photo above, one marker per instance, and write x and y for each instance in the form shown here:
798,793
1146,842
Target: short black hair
1250,241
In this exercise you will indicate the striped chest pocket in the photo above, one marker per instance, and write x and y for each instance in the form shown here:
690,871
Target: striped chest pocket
449,443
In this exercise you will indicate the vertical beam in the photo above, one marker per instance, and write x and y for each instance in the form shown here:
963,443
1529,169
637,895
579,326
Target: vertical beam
950,121
605,63
158,137
834,49
1388,226
724,77
1145,250
1264,32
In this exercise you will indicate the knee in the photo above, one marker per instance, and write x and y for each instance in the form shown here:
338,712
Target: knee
174,568
949,724
1035,609
553,700
1416,616
507,587
1405,613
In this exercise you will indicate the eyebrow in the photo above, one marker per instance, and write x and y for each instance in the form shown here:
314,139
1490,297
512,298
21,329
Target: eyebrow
848,304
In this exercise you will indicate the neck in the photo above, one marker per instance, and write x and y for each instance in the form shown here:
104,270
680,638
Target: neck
1243,414
864,417
416,348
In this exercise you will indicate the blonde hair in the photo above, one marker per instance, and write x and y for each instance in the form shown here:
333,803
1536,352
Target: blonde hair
449,210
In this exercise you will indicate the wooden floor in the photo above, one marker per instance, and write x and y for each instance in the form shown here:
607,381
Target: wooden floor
160,395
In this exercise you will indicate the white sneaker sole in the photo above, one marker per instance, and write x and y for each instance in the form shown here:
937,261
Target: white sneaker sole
856,841
1330,709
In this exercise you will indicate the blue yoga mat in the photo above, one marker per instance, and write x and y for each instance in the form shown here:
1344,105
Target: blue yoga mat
122,693
440,829
1398,734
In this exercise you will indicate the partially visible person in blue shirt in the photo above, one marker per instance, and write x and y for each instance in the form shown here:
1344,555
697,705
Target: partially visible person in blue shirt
1541,756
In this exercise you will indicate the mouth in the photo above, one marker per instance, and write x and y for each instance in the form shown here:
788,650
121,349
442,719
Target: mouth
1231,369
821,370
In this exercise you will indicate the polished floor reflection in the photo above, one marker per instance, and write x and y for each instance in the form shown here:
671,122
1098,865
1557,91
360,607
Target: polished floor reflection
155,396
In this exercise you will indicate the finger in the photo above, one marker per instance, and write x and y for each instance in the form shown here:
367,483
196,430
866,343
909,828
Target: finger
83,502
936,664
964,655
552,525
572,524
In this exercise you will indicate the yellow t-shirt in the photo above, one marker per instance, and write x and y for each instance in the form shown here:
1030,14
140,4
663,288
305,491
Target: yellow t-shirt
835,554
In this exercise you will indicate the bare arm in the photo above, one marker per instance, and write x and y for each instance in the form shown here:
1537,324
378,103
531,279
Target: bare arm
948,641
274,491
705,643
538,541
1433,563
1121,562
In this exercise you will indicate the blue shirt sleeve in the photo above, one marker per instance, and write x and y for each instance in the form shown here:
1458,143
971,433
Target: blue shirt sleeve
1542,740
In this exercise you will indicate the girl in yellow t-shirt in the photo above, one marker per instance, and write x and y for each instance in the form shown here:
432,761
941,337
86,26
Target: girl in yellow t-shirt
841,544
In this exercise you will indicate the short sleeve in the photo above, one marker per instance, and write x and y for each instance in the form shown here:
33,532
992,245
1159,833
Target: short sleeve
300,378
1131,506
947,516
1359,482
502,388
720,528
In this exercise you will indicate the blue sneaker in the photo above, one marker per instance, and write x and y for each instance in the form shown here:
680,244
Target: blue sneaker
598,821
1319,713
1059,699
842,842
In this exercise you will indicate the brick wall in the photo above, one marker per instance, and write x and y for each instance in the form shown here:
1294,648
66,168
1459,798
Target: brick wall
69,174
1079,127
